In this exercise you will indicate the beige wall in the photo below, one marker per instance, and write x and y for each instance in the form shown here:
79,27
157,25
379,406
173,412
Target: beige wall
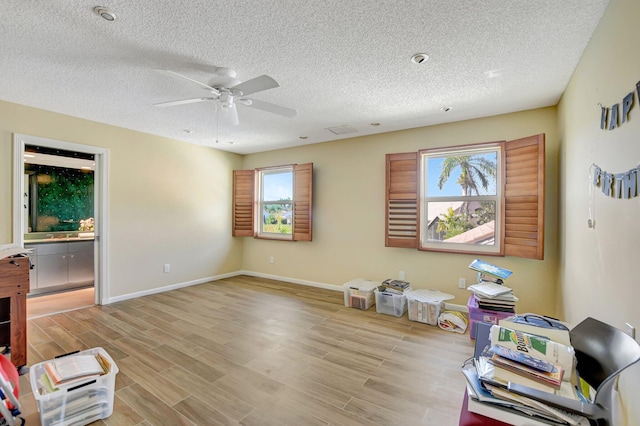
599,276
349,206
169,202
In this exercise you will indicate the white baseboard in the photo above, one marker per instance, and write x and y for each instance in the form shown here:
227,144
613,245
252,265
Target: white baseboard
157,290
333,287
293,280
176,286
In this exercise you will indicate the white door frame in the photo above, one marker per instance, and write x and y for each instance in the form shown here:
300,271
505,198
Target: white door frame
101,187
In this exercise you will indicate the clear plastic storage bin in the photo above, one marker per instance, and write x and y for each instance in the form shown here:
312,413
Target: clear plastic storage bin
79,404
425,305
390,303
358,293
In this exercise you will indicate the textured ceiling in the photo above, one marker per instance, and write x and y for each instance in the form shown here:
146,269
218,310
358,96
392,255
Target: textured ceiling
338,62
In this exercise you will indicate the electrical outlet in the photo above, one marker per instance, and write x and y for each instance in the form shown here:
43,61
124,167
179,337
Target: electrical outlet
462,283
401,275
272,259
167,268
630,330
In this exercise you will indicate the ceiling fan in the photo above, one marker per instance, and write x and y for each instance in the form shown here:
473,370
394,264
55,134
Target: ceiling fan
227,91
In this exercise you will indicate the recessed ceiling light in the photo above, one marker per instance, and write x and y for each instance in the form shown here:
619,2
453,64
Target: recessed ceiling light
231,142
493,73
375,124
105,13
445,109
419,58
303,137
187,131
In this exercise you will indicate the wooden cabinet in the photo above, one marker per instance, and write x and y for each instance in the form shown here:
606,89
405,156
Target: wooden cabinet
60,265
14,285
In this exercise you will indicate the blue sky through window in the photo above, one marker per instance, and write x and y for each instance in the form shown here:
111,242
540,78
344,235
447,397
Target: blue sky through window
451,187
277,185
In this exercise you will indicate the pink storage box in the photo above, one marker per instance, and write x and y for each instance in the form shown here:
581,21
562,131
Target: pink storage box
482,315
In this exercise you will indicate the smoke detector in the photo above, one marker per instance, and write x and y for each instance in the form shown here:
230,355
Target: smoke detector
104,13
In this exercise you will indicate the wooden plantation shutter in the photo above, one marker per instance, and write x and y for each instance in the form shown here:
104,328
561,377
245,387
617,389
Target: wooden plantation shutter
401,219
524,197
243,203
302,201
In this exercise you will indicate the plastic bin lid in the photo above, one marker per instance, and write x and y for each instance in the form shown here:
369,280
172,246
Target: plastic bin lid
428,295
361,284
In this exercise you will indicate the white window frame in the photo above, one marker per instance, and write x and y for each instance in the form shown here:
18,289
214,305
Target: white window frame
262,202
425,199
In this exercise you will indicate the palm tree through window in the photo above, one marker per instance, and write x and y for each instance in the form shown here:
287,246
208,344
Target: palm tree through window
461,199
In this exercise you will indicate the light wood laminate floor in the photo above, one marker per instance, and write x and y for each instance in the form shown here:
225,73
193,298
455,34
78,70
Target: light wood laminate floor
47,304
254,351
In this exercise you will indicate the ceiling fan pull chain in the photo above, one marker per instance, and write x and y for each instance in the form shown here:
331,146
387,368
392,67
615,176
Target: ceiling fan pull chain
217,121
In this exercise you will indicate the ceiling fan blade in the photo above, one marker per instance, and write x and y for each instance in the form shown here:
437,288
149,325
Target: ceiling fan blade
273,108
230,114
258,84
183,101
175,75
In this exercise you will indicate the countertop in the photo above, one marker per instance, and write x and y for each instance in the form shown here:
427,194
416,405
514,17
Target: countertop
58,240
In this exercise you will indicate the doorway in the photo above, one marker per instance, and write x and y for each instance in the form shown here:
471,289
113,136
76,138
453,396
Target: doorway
67,247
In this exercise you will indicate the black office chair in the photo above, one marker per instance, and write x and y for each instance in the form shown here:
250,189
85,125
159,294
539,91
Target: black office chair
602,352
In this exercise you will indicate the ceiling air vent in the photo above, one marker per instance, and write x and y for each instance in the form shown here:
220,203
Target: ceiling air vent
342,130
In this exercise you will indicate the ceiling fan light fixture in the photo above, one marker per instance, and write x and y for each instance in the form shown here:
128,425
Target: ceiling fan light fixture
104,13
419,58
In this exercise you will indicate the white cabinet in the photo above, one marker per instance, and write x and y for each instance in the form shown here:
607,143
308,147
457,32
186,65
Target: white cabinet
80,257
51,265
61,264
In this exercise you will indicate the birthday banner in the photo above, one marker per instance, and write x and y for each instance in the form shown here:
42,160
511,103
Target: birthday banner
617,185
611,117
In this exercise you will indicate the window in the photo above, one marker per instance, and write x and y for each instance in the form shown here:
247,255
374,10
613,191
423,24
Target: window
273,203
460,199
482,199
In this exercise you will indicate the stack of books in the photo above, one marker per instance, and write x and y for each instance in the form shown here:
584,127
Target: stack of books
511,356
394,286
490,292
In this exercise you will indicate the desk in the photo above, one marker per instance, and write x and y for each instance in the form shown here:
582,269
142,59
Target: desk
14,284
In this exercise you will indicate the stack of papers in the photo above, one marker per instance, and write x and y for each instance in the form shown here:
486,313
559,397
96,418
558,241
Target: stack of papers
490,292
489,395
72,369
395,286
10,251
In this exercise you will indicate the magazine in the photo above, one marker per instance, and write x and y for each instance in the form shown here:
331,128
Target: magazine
489,269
